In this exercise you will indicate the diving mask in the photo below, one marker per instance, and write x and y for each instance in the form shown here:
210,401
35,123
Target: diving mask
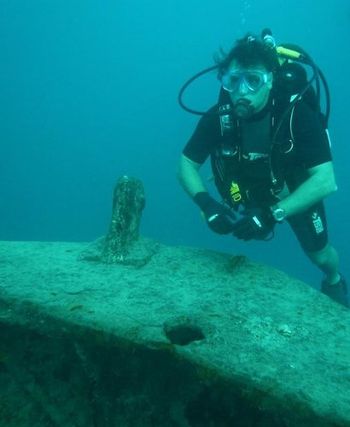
253,80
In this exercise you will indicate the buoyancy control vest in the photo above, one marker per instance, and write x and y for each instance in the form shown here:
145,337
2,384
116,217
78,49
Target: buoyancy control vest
259,178
274,169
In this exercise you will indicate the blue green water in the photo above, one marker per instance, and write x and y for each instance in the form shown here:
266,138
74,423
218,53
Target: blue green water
88,93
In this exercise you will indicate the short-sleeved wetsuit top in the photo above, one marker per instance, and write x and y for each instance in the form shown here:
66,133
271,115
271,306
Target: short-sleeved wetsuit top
310,148
311,145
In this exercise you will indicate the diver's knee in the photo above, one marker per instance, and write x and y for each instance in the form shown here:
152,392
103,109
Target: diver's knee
322,256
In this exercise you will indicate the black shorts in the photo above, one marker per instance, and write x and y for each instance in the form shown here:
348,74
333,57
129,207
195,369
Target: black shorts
310,228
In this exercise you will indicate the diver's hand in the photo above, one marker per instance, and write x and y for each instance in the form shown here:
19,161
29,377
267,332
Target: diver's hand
219,217
256,224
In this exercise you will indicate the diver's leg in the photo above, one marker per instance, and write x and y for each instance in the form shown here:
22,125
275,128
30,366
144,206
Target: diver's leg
327,260
310,228
333,285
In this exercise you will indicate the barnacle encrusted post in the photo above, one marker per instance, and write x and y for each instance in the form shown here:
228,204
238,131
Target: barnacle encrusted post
128,204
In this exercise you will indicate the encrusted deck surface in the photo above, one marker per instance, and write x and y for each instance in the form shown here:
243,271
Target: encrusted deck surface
273,340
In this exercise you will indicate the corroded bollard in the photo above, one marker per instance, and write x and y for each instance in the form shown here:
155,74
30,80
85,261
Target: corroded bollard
123,244
128,204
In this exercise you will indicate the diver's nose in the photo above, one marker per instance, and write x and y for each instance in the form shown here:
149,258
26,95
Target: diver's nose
242,88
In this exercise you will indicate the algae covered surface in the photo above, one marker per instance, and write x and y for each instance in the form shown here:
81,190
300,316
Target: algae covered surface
161,342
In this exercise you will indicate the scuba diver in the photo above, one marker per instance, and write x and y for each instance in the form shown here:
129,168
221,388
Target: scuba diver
269,148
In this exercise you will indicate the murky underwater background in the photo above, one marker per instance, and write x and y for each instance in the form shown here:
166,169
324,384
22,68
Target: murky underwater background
88,92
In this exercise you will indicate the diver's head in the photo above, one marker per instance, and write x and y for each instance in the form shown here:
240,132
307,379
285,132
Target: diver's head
247,74
249,88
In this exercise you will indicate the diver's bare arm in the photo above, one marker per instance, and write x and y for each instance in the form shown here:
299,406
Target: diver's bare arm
321,183
189,177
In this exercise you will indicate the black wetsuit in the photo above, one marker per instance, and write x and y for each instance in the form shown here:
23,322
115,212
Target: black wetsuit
310,148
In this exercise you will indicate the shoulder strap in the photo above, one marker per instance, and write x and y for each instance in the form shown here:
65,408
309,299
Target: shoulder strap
291,117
